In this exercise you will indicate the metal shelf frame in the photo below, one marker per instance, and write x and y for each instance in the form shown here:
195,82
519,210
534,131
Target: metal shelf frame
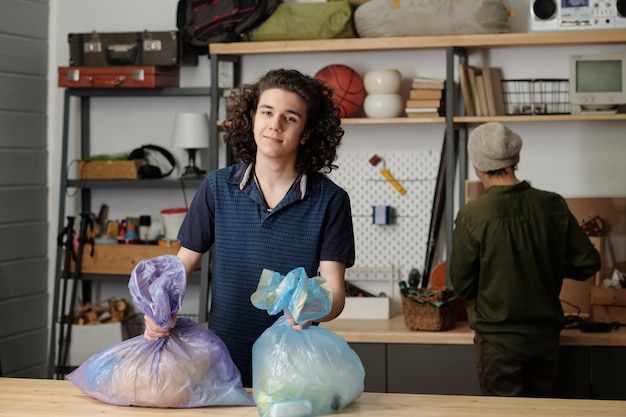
84,96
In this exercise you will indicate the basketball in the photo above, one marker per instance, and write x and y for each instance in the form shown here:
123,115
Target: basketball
349,91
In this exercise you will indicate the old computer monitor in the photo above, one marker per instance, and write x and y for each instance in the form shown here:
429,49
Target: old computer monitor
597,83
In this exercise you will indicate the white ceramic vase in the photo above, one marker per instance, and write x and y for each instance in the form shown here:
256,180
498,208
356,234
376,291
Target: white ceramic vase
383,81
383,105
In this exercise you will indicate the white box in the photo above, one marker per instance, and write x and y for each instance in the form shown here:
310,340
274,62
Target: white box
366,308
88,339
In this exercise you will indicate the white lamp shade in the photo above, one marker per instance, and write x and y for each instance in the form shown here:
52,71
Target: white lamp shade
191,131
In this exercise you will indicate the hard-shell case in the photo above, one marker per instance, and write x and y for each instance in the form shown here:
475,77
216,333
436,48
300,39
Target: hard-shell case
124,48
120,77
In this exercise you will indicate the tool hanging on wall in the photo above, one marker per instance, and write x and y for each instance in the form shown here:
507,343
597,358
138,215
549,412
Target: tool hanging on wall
437,212
375,160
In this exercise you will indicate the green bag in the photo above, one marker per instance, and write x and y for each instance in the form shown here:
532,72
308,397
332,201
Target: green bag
302,21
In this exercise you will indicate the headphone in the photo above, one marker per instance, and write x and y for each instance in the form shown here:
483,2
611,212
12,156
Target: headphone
148,171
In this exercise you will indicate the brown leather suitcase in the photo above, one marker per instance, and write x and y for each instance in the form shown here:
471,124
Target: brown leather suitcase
126,76
124,48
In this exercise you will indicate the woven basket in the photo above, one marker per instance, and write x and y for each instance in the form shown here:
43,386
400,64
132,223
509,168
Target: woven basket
431,309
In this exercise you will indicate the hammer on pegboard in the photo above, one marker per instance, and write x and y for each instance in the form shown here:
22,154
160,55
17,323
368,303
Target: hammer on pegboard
375,160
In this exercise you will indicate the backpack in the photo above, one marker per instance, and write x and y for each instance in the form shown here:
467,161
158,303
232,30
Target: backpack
202,22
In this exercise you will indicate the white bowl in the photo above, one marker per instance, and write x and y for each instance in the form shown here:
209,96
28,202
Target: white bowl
383,105
384,81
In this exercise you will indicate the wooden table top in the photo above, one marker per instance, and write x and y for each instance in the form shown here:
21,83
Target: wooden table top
44,397
394,331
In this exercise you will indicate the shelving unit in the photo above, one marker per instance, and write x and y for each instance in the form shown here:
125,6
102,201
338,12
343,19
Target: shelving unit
84,95
456,48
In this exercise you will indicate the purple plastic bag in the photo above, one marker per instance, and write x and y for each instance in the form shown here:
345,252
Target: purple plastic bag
190,368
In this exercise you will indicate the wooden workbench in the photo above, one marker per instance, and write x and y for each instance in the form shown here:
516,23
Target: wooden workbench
395,331
44,397
399,360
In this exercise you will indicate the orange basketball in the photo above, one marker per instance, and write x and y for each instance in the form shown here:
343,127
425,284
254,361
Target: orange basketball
349,91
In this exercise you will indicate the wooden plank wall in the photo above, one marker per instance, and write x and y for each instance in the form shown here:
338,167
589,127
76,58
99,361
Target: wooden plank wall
23,188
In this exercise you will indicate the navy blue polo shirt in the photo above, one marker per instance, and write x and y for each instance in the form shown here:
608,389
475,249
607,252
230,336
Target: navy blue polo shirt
312,223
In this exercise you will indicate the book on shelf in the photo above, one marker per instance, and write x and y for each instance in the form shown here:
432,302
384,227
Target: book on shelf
424,112
498,95
422,109
424,115
471,75
466,91
423,103
481,93
425,94
488,91
481,89
427,83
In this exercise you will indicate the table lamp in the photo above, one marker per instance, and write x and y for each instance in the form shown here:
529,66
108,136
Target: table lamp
191,132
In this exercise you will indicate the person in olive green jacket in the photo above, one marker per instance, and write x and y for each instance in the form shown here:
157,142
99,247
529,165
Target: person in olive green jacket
511,249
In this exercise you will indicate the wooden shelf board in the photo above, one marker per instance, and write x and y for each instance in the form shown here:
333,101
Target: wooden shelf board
540,118
483,119
394,120
421,42
382,121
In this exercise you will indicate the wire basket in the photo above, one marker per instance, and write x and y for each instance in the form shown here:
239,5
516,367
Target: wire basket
536,96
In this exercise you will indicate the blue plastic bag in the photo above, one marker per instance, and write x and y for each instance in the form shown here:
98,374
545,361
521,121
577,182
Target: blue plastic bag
190,368
298,373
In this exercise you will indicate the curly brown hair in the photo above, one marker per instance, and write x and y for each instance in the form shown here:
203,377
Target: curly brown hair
320,150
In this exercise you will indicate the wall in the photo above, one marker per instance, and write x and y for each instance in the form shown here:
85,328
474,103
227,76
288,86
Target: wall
577,159
23,189
117,125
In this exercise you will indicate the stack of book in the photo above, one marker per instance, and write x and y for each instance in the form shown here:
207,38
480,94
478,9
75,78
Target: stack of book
426,97
481,88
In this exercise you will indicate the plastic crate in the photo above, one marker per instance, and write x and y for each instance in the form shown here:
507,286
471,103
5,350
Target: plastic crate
536,96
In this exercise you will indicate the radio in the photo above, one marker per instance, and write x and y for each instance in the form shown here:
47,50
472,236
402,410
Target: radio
563,15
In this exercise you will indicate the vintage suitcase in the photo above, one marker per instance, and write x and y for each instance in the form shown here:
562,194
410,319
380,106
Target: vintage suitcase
124,48
120,77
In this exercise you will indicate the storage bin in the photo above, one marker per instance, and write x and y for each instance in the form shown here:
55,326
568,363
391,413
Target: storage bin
107,170
430,309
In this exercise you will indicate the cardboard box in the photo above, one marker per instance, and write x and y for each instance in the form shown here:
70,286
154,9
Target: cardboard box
608,305
576,295
107,170
474,189
366,308
88,339
120,259
612,211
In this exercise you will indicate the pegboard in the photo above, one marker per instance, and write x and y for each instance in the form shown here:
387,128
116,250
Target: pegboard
401,245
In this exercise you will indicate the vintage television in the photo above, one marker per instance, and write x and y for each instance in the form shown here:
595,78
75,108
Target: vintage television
597,83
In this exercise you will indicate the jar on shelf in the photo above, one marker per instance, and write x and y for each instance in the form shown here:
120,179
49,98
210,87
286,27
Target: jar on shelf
383,105
382,81
144,227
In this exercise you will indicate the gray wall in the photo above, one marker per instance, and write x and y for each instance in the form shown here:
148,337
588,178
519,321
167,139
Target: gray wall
23,188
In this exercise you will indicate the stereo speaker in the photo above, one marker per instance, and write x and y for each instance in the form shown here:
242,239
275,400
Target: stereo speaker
620,14
544,15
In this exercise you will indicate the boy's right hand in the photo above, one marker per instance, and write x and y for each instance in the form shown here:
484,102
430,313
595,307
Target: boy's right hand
154,332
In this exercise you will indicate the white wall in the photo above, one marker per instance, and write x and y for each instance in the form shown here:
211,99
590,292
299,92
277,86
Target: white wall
118,125
577,159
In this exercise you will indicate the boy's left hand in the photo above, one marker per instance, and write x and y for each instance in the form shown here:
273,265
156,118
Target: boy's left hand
295,326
